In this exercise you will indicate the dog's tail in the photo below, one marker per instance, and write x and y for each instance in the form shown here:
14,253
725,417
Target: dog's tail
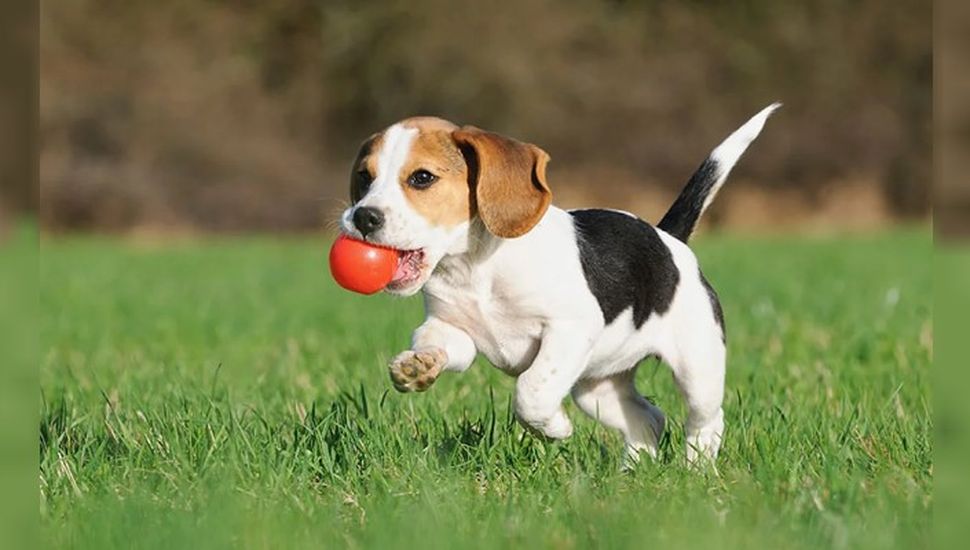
703,186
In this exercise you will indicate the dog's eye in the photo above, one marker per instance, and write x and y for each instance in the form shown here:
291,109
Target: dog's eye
421,179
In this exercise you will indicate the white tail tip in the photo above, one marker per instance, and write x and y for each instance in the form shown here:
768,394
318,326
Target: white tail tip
730,150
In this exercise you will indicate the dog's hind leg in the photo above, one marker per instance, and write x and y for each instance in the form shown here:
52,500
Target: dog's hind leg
615,402
699,373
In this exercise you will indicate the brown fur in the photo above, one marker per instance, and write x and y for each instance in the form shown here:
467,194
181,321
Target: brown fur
501,180
448,201
510,181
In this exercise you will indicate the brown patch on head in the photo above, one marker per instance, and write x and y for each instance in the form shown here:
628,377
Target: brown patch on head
365,167
429,124
501,180
447,202
509,177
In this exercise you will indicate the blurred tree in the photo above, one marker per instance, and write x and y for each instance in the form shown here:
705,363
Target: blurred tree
228,114
18,109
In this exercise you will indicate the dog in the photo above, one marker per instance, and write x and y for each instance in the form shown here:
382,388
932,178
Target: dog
568,302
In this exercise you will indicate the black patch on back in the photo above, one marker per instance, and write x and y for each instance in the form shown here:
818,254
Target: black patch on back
682,217
716,305
626,264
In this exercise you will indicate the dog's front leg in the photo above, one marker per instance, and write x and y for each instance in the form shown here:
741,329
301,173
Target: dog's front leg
436,346
540,390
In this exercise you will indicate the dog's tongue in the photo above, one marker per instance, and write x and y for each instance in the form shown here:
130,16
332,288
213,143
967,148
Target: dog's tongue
407,266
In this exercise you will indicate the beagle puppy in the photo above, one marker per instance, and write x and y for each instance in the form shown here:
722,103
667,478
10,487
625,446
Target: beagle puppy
568,302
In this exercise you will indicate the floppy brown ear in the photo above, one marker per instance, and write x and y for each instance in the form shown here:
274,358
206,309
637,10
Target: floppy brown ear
510,191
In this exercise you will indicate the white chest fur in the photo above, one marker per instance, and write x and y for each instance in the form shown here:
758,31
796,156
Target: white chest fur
483,305
504,294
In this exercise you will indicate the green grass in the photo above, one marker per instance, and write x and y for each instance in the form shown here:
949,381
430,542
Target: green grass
224,393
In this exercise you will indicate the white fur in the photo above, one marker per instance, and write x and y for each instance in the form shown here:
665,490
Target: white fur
525,304
401,222
730,150
403,227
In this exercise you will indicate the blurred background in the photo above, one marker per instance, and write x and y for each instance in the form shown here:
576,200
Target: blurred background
232,116
239,115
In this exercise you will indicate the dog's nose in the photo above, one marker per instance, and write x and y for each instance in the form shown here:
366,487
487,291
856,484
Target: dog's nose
368,220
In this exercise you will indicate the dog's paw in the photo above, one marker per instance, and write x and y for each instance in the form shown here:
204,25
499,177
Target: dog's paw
558,427
417,370
553,429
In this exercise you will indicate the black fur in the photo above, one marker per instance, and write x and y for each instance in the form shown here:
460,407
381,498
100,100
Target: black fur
626,264
716,304
682,217
359,184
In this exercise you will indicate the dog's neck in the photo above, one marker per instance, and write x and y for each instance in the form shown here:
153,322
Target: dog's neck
455,268
480,242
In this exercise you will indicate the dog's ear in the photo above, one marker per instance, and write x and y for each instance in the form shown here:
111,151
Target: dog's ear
360,175
509,179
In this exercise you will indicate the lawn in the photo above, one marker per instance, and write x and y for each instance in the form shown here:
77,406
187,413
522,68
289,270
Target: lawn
223,392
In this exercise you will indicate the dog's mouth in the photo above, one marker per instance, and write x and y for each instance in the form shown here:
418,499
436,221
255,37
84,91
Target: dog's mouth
410,267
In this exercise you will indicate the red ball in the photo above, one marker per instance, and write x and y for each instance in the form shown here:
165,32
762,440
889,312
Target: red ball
362,267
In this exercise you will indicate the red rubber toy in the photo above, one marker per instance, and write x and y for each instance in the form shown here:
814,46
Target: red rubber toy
362,267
